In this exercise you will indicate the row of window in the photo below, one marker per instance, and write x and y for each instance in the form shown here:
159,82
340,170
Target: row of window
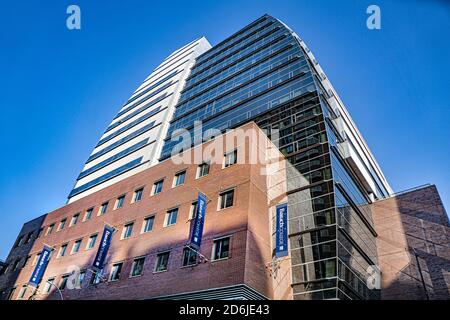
179,179
220,251
226,200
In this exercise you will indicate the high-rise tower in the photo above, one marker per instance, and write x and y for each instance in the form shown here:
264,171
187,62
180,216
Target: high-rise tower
267,74
133,140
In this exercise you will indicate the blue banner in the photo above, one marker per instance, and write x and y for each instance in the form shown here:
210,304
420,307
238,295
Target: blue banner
281,231
197,230
103,247
39,270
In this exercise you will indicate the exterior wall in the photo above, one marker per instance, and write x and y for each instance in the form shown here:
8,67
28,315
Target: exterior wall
413,245
247,222
148,111
8,278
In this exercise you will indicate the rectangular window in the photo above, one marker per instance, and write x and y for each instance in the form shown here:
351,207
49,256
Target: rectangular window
97,277
16,265
226,199
39,234
36,258
193,211
19,241
11,293
81,277
162,261
102,209
48,285
221,248
171,217
62,224
76,246
115,271
29,237
157,187
22,292
148,224
63,283
88,214
179,178
27,261
91,242
127,230
137,267
203,169
50,229
62,250
74,220
138,195
119,202
189,257
230,158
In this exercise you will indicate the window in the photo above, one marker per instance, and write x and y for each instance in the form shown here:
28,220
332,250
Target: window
36,258
102,209
81,277
76,246
63,283
88,214
137,267
119,202
74,220
29,237
203,170
91,242
157,187
171,217
189,257
230,158
138,195
39,233
11,293
48,285
148,224
179,178
115,271
15,265
26,261
50,229
4,269
97,277
226,199
62,224
19,241
221,248
62,250
22,292
127,230
162,260
193,211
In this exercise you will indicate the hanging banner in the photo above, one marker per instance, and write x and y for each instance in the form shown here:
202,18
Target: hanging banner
39,270
197,230
281,230
103,247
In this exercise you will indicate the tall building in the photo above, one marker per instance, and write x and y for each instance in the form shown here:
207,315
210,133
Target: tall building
266,73
344,221
133,140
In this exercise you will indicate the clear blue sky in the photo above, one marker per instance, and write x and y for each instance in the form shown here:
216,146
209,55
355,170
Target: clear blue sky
61,88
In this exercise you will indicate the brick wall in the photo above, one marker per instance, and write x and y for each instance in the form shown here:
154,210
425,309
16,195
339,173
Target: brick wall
413,245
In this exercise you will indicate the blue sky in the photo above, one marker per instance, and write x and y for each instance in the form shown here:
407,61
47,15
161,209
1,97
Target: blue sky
61,88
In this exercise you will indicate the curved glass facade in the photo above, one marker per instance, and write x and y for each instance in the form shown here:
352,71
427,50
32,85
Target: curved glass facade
262,73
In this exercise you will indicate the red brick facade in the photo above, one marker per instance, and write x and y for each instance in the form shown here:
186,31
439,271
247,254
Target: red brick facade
247,222
413,246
